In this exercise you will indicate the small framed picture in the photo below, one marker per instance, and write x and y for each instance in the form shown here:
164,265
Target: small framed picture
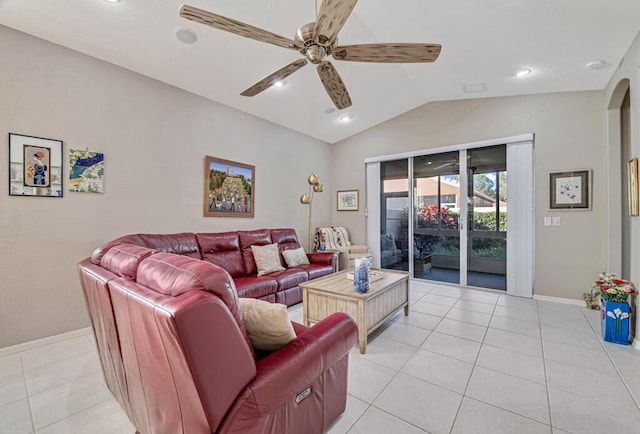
570,190
35,166
632,187
348,200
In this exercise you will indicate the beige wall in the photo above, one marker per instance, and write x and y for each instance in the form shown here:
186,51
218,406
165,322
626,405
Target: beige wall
154,137
569,134
629,69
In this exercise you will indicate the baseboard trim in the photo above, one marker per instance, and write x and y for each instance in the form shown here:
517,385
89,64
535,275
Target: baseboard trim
6,351
561,300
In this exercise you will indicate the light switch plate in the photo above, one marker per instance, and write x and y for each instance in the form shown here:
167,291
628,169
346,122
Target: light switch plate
547,221
556,221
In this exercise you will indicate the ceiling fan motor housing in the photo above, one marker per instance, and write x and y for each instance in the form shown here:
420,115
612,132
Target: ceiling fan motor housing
314,51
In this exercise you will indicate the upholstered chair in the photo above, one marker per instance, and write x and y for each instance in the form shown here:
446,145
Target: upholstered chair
336,239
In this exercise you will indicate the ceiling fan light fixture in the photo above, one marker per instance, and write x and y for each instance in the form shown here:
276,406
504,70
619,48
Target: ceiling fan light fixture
523,72
279,83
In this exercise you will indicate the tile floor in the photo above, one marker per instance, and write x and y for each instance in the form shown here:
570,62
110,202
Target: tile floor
463,361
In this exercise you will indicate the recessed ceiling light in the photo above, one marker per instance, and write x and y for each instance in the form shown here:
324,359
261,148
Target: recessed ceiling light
474,87
523,72
112,1
184,35
279,83
345,118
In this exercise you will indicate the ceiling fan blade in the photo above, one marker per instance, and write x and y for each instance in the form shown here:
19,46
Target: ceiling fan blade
334,85
237,27
388,53
331,17
270,80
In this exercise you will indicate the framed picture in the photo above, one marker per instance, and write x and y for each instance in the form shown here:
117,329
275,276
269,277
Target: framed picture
570,190
35,166
86,171
632,187
229,188
348,200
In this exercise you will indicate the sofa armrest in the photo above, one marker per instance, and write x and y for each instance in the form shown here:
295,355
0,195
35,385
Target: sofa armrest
285,373
324,258
357,248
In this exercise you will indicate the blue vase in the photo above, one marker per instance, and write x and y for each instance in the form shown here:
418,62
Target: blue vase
615,322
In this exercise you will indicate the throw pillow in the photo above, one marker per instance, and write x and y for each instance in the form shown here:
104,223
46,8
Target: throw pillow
267,324
267,259
295,257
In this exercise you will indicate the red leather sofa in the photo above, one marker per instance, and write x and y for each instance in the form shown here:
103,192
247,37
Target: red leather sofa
176,355
232,251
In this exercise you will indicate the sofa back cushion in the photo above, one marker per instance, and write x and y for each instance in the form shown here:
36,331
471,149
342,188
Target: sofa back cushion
223,250
286,239
123,259
181,244
260,237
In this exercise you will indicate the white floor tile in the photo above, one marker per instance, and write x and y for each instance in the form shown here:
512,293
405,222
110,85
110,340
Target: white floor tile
405,333
429,308
367,379
519,314
62,371
634,386
448,291
461,329
518,302
386,352
629,366
441,370
590,358
15,418
476,417
478,318
514,325
375,421
63,401
579,324
418,319
509,362
514,342
12,388
590,383
578,414
355,409
520,396
104,418
474,306
571,337
422,404
439,299
56,352
11,364
452,346
480,296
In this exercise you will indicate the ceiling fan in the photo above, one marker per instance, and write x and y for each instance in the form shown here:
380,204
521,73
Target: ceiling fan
316,42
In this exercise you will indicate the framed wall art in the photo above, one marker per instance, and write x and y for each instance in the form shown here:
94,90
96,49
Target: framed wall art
570,190
86,171
348,200
35,166
632,187
229,188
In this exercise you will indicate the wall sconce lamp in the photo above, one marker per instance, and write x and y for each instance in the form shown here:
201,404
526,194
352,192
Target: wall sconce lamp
315,186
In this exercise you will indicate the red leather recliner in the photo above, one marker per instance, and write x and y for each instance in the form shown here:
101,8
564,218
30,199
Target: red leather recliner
177,357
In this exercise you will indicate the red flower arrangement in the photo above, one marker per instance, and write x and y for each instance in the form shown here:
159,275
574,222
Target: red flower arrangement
610,288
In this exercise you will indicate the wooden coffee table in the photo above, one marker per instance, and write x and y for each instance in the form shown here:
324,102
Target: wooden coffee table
335,293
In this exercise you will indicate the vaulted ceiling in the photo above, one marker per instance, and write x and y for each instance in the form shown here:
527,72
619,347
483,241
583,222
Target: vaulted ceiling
485,42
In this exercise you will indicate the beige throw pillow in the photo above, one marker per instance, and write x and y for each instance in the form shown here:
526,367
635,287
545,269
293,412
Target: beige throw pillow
267,259
295,257
267,324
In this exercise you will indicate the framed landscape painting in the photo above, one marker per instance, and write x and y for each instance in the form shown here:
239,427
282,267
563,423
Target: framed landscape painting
570,190
86,171
229,189
35,166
